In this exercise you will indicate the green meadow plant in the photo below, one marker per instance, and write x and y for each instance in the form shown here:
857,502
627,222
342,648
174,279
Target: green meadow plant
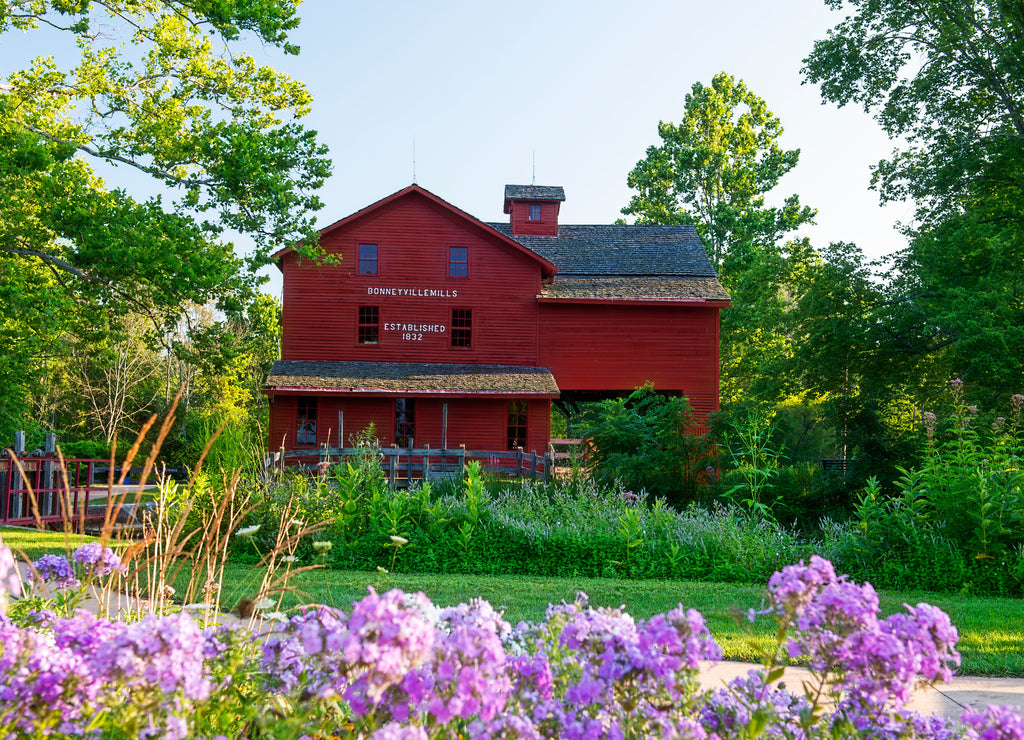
957,521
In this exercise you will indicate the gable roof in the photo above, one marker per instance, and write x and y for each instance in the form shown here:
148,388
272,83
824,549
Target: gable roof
626,263
547,267
621,249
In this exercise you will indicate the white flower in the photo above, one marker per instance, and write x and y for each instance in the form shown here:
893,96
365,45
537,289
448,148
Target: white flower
248,531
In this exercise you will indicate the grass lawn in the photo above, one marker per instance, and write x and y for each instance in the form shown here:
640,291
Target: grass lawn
991,629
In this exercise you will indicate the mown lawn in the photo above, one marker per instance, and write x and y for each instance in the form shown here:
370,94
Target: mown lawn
991,629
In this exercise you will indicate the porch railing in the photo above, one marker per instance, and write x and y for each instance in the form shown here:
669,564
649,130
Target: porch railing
405,464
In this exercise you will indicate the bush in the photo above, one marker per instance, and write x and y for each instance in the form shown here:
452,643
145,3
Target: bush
957,522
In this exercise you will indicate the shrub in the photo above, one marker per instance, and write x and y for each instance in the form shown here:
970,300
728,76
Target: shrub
957,521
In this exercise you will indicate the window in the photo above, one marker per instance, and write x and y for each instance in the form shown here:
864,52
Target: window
405,421
462,327
534,214
458,261
305,421
517,425
369,324
367,259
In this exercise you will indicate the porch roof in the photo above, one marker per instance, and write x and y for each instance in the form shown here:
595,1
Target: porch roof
409,378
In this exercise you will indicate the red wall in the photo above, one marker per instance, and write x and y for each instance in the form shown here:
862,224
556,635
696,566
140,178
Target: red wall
523,226
413,236
480,424
592,347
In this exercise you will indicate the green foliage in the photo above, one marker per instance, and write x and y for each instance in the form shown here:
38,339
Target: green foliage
756,460
646,442
946,80
713,170
161,94
963,508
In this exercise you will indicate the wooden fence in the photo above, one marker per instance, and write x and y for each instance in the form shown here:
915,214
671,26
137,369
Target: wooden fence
405,464
34,489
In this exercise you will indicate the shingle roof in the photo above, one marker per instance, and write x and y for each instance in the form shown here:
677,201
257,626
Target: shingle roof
534,192
411,377
648,288
620,250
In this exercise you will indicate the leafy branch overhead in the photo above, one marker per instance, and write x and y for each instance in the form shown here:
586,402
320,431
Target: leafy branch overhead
946,79
156,100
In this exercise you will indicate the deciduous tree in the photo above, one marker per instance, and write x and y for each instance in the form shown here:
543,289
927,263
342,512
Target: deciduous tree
159,96
947,80
714,170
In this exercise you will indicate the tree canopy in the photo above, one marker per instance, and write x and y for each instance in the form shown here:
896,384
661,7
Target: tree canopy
152,96
713,170
947,79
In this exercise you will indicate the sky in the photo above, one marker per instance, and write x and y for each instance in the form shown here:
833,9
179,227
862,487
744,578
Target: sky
466,96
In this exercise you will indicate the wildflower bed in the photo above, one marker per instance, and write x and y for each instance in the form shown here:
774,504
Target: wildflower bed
395,666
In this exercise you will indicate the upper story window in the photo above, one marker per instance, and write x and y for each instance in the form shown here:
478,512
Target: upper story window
462,327
305,421
458,261
367,259
369,324
534,212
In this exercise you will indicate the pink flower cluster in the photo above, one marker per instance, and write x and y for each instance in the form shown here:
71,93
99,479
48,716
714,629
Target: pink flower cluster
876,663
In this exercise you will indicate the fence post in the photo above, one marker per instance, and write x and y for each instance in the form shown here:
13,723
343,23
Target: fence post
533,464
462,460
393,467
16,501
519,461
46,501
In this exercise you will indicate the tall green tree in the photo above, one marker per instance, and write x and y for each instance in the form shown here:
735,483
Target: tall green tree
164,91
946,79
714,170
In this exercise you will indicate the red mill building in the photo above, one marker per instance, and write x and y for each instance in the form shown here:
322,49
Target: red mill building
444,329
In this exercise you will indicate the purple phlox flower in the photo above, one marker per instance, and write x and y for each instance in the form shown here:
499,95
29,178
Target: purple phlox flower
57,569
470,672
44,684
728,709
791,589
510,726
395,731
98,560
682,634
994,723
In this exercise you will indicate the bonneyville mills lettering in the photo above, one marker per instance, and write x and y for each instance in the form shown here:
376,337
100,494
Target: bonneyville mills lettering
413,292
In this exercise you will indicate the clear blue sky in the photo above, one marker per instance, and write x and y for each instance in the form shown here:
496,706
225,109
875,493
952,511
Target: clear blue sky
483,88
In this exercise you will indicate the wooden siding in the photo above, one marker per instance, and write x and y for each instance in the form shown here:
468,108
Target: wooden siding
478,424
523,226
413,235
590,347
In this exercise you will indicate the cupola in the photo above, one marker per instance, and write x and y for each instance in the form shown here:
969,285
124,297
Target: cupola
533,209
